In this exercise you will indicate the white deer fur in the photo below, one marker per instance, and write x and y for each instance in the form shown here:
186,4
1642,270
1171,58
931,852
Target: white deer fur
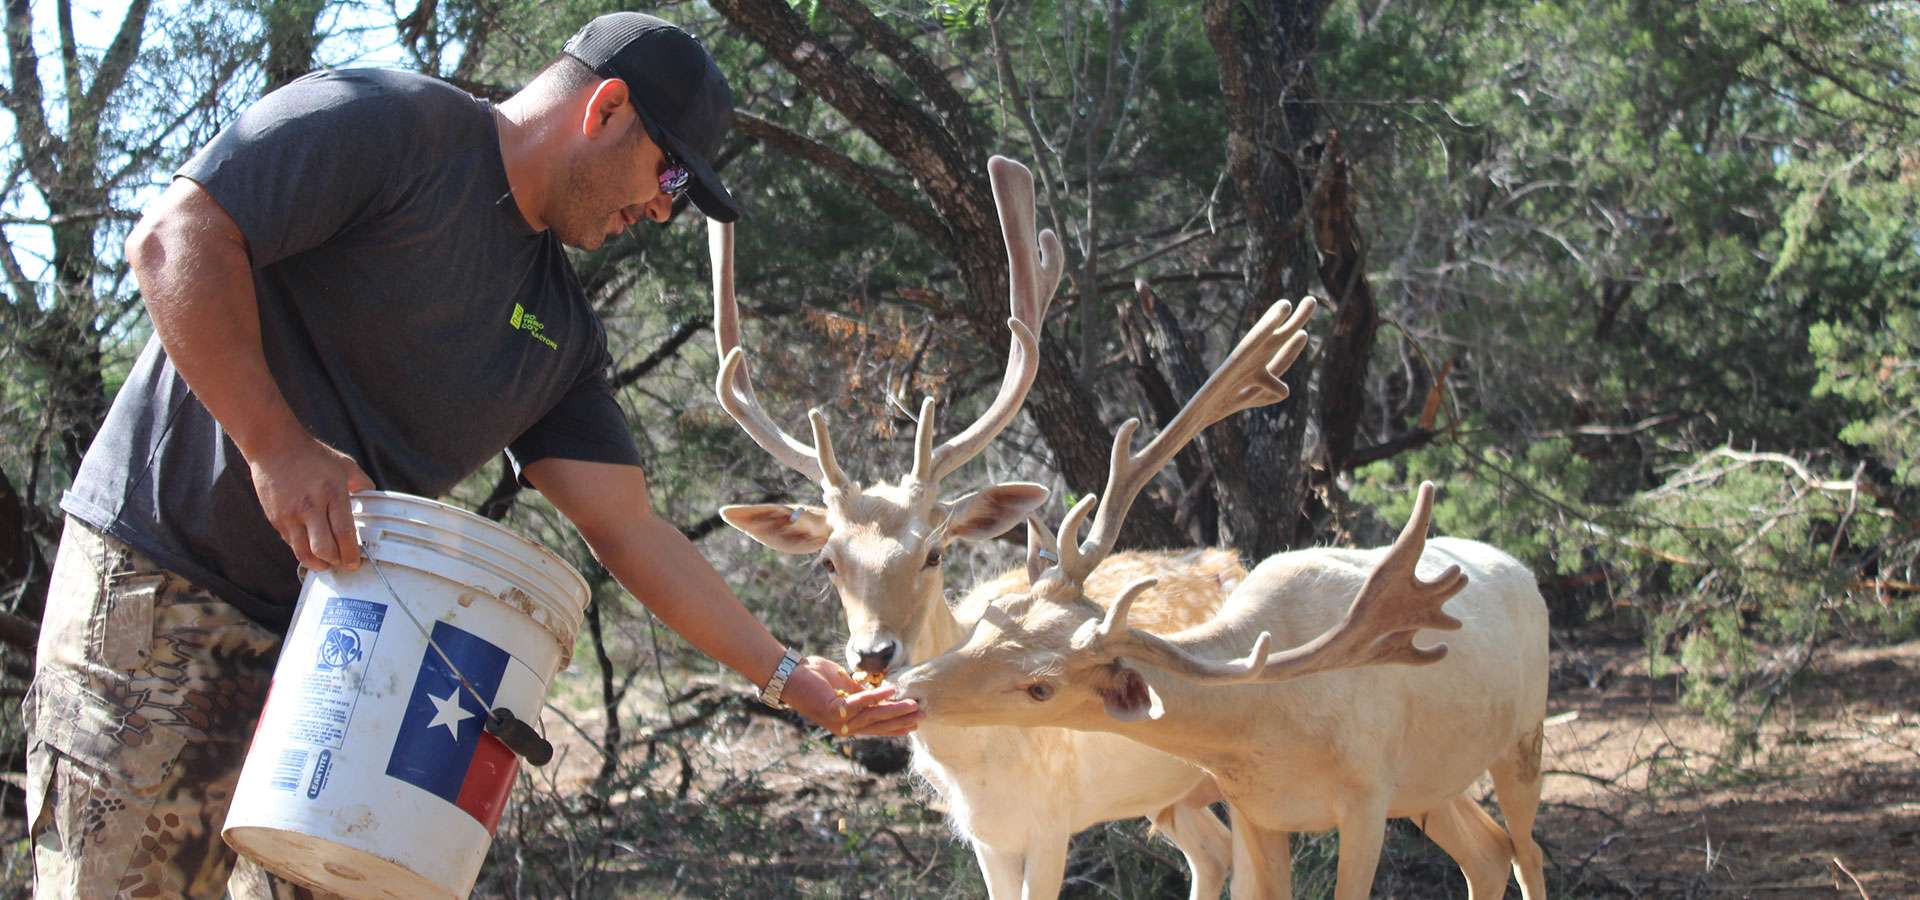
1016,794
1340,749
1317,735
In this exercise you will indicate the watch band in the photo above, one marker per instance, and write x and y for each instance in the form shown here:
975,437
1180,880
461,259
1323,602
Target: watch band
770,695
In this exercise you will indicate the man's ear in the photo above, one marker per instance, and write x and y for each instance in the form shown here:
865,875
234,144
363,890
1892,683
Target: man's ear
788,529
608,96
1128,696
988,513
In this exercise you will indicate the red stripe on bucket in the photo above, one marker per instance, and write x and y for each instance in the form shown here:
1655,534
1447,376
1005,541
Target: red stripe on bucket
483,795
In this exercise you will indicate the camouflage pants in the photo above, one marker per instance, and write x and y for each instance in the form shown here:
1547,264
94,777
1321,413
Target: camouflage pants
145,692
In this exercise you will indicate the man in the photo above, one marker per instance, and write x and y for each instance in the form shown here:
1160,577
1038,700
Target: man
359,284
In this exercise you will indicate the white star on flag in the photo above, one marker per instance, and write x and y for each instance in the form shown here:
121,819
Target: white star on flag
449,712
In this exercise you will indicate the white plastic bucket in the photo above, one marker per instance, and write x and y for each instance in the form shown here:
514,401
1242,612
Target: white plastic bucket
370,775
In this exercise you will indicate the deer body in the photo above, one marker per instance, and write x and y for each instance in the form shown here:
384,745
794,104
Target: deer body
1018,794
1342,749
1391,733
1348,749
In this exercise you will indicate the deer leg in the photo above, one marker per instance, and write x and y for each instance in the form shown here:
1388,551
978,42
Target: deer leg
1474,841
1363,831
1004,870
1046,868
1262,861
1204,840
1516,784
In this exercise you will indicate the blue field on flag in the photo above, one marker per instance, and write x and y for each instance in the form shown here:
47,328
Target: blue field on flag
434,748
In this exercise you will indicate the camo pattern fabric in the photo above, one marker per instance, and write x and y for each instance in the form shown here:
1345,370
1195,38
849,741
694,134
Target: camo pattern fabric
145,693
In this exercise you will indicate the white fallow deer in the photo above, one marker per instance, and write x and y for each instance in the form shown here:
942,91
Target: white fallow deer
1017,794
1352,745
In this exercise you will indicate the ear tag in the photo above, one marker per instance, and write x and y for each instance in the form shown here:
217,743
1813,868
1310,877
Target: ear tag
795,515
1050,556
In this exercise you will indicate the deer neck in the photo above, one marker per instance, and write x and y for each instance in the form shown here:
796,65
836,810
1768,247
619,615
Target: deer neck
1205,722
940,630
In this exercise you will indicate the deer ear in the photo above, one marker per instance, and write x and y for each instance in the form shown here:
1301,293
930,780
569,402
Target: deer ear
788,529
987,514
1128,696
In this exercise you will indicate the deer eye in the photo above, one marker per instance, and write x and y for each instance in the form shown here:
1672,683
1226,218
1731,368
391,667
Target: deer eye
1040,691
933,558
826,565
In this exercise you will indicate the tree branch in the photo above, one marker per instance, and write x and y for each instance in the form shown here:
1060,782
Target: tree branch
1343,272
953,108
682,333
868,181
24,294
113,65
37,146
904,130
1390,448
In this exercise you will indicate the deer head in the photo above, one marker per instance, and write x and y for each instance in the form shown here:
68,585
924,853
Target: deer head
1050,656
882,543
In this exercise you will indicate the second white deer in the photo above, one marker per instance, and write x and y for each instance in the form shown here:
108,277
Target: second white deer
1349,747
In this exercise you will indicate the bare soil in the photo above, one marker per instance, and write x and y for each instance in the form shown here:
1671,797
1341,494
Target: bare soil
1641,802
1642,798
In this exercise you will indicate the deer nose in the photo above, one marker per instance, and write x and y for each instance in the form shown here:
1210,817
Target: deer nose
878,657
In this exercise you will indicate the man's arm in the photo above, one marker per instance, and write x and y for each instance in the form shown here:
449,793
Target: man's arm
197,281
610,506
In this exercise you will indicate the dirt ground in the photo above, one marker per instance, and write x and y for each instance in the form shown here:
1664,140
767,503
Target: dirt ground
1636,804
1829,803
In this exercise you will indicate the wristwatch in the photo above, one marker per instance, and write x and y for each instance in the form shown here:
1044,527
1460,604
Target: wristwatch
770,695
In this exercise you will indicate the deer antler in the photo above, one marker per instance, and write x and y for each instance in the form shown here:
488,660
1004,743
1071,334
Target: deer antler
1378,629
1035,266
1034,269
1249,377
735,387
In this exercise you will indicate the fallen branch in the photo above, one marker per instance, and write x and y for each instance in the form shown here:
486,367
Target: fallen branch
1841,869
1796,467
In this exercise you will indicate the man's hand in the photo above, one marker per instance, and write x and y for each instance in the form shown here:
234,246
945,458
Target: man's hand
824,693
303,488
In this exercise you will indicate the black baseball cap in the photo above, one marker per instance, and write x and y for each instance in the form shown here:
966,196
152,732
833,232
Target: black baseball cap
683,100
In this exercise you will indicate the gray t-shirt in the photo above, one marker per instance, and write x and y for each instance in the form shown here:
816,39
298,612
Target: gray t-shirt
411,317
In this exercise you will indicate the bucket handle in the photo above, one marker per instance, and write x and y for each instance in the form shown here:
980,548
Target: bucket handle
515,733
519,737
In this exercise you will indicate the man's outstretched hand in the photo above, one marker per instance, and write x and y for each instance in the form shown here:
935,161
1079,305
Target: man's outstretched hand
827,696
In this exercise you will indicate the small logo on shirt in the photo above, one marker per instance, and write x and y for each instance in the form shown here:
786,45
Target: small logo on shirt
532,325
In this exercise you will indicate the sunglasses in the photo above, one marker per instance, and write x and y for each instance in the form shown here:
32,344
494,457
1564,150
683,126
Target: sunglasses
675,178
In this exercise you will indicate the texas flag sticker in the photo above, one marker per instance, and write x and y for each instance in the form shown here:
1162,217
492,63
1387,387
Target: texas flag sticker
442,747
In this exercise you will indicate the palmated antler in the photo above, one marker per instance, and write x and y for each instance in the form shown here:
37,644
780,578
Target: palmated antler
1114,636
1249,377
1035,266
1378,629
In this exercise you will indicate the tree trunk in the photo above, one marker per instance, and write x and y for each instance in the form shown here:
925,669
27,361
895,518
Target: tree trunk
1153,335
292,36
1265,50
24,572
1349,343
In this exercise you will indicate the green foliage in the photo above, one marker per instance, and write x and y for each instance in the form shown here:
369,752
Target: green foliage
1878,370
958,15
1751,562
